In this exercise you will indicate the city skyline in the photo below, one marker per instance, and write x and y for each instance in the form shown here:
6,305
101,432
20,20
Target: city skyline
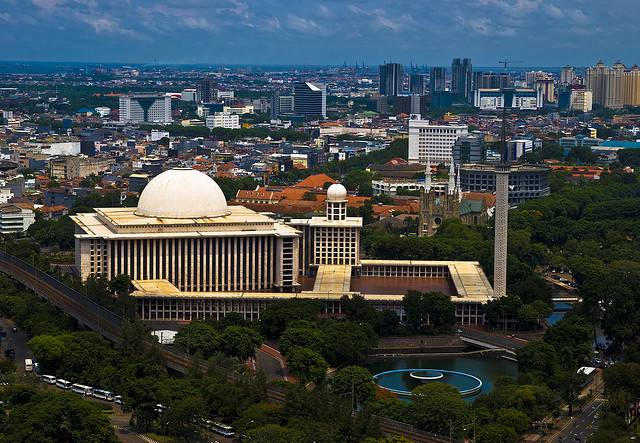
329,32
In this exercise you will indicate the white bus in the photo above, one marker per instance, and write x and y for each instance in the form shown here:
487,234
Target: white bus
81,389
49,379
222,429
64,384
103,395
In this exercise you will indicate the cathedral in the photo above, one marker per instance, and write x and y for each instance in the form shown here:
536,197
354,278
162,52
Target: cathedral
437,204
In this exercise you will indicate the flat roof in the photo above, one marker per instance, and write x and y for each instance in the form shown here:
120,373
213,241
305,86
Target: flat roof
122,223
466,283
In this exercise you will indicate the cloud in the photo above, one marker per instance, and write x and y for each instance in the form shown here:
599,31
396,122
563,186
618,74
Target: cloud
306,25
197,23
47,4
106,25
553,11
5,16
485,27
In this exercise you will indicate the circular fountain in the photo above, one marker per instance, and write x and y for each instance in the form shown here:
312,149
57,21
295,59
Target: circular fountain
402,381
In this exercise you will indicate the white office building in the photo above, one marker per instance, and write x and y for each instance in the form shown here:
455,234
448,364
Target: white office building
145,108
433,142
14,219
523,99
223,120
188,95
103,111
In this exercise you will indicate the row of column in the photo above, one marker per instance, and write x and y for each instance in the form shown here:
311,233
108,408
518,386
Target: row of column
198,264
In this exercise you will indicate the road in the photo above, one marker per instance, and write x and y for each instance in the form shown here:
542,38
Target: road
16,341
493,338
582,425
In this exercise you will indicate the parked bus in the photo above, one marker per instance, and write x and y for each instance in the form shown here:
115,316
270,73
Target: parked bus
64,384
222,429
49,379
81,389
103,395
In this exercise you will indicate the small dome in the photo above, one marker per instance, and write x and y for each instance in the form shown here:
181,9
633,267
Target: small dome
182,193
336,193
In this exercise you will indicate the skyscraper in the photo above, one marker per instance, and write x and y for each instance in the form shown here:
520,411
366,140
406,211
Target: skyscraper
461,77
145,107
418,84
606,83
631,86
206,90
310,99
567,76
391,78
281,104
437,79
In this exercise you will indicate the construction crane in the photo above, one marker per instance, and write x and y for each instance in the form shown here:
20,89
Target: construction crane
506,62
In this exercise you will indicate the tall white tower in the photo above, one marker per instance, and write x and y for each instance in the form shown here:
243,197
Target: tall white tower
502,208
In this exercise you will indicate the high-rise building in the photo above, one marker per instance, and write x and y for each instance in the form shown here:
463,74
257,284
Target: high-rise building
281,104
461,77
468,149
418,84
310,99
391,79
432,142
606,83
567,76
547,86
521,98
581,100
491,80
407,104
437,79
631,86
206,90
145,108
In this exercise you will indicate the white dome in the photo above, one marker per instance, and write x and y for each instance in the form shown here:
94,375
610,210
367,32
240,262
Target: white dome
336,193
182,193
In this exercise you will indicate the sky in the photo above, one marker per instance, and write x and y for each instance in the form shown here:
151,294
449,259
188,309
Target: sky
321,32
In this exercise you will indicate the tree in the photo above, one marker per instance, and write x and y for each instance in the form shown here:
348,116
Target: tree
347,341
570,383
241,342
306,337
272,433
438,408
54,416
198,337
181,418
538,360
274,319
429,308
258,415
496,433
513,418
307,364
120,285
354,380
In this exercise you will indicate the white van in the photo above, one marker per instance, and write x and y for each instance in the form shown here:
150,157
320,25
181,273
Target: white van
48,379
28,365
63,384
81,389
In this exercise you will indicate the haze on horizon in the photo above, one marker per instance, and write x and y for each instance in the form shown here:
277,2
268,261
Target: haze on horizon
431,32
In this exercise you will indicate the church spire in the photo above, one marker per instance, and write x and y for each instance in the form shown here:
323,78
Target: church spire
452,178
427,176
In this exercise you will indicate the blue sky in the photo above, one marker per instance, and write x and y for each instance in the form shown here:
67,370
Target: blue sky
431,32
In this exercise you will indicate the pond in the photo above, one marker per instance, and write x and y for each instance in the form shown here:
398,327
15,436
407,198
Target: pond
461,372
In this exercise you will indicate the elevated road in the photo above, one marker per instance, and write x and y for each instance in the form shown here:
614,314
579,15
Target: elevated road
491,340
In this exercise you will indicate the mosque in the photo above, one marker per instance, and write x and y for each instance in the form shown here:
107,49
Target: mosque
192,256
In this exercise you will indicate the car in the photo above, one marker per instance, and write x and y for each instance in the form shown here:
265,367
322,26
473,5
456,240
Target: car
596,416
14,329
